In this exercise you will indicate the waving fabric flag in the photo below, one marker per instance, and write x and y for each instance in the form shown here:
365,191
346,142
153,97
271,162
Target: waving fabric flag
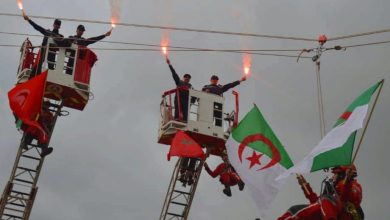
258,157
336,147
184,146
25,100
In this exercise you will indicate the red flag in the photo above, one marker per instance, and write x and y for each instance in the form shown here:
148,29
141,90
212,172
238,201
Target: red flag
184,146
25,100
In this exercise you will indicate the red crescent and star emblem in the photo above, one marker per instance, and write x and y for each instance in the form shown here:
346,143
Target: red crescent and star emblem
255,158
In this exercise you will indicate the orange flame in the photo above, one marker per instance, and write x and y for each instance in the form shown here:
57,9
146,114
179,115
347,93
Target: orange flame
115,12
20,4
164,49
246,70
113,22
246,62
164,44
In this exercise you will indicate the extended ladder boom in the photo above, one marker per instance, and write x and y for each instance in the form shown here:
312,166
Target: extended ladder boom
179,198
19,194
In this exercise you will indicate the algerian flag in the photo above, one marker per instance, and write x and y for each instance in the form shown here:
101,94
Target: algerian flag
336,147
258,157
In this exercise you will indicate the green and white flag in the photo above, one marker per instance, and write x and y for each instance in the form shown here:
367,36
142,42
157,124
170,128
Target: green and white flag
258,157
336,147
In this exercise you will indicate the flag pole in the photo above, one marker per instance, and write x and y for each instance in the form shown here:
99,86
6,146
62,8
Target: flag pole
368,121
319,97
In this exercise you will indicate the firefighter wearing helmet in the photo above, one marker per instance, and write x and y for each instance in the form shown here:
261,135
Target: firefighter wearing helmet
340,199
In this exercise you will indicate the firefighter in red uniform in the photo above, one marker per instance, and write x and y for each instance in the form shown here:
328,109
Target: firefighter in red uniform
340,200
45,119
227,175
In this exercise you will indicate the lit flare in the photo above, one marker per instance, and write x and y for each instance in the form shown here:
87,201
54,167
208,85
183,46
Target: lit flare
246,62
164,45
20,5
246,70
114,21
164,50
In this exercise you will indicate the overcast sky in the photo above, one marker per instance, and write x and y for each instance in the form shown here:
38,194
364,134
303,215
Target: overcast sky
106,163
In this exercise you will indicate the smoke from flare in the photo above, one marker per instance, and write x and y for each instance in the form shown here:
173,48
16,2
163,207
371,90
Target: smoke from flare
115,11
20,4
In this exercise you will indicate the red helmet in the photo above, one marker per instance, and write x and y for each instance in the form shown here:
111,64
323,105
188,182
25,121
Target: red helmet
344,169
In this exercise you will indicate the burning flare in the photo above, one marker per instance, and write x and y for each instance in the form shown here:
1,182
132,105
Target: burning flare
164,50
246,70
115,12
246,62
114,21
164,45
20,4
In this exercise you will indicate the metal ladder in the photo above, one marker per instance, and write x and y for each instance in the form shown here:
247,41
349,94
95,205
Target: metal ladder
179,198
20,191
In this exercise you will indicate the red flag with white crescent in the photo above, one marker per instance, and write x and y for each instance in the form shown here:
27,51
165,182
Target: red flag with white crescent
25,100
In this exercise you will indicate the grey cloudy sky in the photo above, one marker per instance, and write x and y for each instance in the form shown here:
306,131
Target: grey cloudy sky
106,163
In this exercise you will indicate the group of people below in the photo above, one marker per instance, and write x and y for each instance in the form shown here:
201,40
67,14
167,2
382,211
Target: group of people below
340,199
184,84
61,41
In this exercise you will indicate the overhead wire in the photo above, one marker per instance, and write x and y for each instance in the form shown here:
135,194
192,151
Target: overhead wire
367,44
168,46
194,49
359,34
158,50
206,30
176,48
170,28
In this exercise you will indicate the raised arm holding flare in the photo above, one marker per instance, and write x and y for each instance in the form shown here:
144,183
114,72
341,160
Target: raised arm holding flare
57,37
218,89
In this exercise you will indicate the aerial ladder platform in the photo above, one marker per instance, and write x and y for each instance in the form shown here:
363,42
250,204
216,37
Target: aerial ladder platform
67,85
205,125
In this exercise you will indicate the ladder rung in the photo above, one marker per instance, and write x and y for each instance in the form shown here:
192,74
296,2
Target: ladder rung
16,204
33,145
14,210
175,214
21,193
30,157
13,216
182,192
27,169
19,198
24,181
179,203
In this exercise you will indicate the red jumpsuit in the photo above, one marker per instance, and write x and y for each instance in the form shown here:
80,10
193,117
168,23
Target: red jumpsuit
226,174
328,208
